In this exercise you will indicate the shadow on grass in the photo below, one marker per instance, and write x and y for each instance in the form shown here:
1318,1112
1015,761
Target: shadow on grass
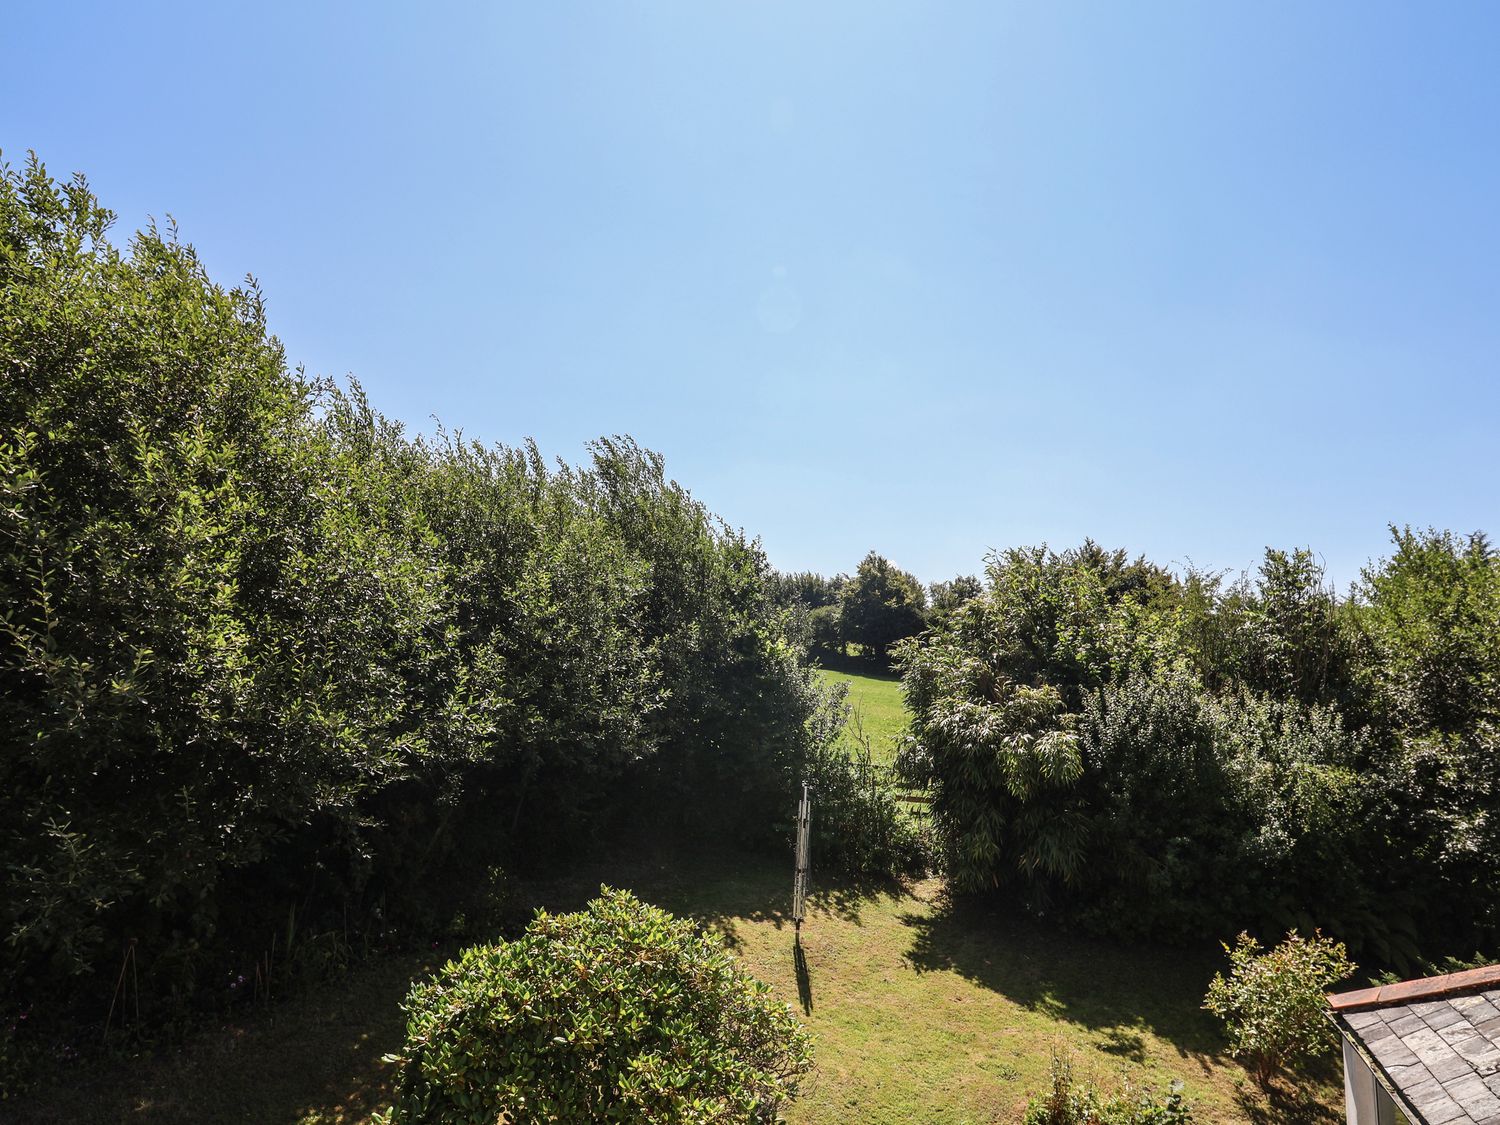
855,666
804,979
1290,1100
718,890
1125,1043
1116,989
314,1059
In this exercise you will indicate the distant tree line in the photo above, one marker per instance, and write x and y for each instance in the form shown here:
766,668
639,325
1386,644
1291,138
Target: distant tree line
271,667
873,610
1181,757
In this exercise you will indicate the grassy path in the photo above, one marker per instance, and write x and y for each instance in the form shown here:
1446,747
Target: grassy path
920,1014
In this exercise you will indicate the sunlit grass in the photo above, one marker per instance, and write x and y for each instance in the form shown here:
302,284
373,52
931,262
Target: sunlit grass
879,707
920,1013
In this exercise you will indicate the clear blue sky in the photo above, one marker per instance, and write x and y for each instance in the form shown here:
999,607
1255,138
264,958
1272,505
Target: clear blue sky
1189,278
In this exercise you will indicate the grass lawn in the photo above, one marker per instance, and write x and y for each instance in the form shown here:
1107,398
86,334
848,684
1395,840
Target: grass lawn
920,1013
880,707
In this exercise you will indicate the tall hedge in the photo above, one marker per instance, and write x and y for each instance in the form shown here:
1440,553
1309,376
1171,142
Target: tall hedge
1186,758
269,664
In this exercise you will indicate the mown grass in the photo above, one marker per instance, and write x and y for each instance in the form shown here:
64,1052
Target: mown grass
879,707
921,1012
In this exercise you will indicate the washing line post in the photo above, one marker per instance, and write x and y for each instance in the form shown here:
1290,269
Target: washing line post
803,861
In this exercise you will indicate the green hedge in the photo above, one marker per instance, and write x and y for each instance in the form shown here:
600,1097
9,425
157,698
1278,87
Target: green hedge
271,667
1181,758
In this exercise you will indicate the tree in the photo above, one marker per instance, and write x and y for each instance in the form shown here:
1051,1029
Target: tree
881,605
823,624
948,596
807,588
1075,755
1432,615
262,652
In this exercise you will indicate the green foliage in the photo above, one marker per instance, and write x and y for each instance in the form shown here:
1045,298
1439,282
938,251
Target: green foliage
617,1013
881,605
1274,1002
858,827
825,631
260,649
1210,810
991,735
808,589
1179,759
1284,634
945,597
1071,1102
1431,616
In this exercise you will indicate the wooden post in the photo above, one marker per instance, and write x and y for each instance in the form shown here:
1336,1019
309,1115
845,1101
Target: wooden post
803,861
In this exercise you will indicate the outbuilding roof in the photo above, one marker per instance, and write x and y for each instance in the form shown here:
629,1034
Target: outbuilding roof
1435,1043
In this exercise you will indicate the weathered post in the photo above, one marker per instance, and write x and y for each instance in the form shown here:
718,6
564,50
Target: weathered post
803,861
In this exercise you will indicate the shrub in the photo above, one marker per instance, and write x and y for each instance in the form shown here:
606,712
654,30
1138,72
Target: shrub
618,1012
1177,759
1273,1001
1071,1102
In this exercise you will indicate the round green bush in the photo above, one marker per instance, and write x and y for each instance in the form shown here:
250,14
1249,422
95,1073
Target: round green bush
619,1012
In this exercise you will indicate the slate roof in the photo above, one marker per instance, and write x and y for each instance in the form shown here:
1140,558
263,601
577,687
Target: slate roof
1435,1043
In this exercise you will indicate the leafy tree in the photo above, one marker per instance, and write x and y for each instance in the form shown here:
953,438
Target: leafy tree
1287,634
204,583
1431,615
1179,759
880,606
825,630
1123,577
990,733
945,597
805,588
617,1012
1431,618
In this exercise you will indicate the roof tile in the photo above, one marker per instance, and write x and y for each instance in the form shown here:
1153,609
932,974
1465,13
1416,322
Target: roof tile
1412,991
1437,1041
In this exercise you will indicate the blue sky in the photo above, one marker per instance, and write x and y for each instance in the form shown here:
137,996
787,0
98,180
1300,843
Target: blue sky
927,278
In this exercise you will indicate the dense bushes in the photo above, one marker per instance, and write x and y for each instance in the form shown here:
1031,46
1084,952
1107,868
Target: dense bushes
617,1013
1176,758
264,655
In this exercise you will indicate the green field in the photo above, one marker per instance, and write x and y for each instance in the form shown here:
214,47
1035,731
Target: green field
878,706
919,1013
